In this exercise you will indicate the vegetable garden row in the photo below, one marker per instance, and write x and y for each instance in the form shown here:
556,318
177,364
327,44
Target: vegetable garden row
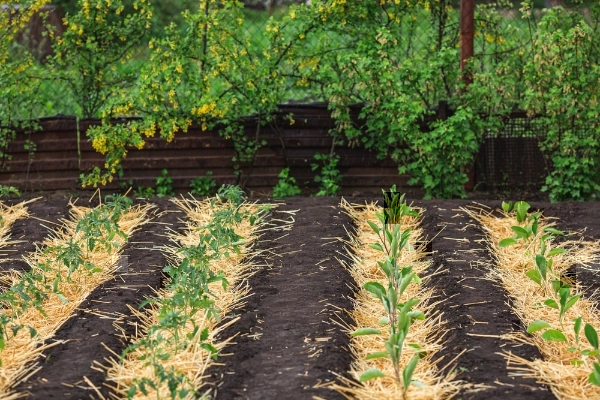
308,298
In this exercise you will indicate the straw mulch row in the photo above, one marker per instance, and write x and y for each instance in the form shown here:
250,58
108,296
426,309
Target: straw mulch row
431,381
187,357
67,290
555,369
8,216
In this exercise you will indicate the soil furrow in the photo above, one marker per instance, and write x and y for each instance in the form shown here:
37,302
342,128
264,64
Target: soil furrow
583,218
31,231
86,333
475,308
287,341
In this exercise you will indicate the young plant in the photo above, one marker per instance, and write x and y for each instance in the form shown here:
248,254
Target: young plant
400,314
561,299
328,177
203,186
286,186
164,184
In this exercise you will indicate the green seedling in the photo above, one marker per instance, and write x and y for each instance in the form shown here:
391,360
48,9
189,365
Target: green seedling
189,286
562,299
203,186
286,186
399,315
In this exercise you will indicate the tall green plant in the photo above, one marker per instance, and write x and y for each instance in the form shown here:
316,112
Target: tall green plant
399,314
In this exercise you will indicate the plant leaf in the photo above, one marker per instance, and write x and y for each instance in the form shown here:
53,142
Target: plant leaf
507,242
537,326
553,231
551,303
554,335
558,250
366,331
570,303
594,377
376,288
378,354
371,373
408,371
376,246
374,226
521,233
591,335
534,275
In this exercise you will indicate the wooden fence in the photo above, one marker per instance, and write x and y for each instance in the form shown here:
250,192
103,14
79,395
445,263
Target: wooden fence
60,156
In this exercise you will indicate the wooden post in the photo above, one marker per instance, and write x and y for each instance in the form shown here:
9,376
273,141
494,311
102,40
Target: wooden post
467,33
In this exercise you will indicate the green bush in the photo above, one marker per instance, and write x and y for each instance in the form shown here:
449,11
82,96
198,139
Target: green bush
286,186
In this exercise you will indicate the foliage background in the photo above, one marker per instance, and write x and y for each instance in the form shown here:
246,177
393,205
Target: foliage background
220,61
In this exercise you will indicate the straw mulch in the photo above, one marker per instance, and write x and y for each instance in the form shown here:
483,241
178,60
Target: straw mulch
8,216
189,360
434,383
555,369
21,350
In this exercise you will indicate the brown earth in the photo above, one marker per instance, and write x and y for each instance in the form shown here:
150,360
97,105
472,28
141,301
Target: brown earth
289,341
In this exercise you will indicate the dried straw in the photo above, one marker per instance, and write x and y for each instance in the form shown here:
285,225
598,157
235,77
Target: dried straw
434,382
22,349
8,216
192,361
555,369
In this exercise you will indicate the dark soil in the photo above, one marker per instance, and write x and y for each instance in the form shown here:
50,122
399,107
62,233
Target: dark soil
296,301
289,341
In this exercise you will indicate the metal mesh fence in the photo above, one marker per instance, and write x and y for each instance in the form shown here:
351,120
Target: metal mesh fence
510,159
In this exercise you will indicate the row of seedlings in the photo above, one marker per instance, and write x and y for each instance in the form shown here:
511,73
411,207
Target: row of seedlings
72,262
560,322
396,330
206,278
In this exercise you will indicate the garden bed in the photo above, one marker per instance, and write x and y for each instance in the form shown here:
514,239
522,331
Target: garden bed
291,338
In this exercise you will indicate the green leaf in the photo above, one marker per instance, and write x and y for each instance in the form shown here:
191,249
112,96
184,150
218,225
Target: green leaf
577,326
376,246
378,354
534,275
591,335
556,251
537,325
371,373
521,233
540,261
553,231
375,288
570,303
366,331
409,370
551,303
374,227
507,242
554,335
594,377
506,207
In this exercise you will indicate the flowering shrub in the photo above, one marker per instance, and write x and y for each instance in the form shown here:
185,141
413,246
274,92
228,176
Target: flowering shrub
208,73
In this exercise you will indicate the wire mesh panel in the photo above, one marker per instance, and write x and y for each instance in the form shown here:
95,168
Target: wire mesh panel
511,159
